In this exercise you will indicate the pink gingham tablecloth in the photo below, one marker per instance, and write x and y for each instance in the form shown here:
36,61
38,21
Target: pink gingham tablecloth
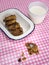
10,50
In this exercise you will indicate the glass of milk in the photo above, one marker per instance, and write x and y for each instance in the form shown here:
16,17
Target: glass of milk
37,11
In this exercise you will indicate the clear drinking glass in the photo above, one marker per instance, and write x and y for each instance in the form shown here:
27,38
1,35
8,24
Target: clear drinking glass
37,18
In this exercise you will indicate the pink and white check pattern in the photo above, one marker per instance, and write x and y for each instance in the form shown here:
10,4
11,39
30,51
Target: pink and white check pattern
10,50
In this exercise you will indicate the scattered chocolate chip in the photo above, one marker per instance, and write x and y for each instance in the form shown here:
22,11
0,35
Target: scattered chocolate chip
19,60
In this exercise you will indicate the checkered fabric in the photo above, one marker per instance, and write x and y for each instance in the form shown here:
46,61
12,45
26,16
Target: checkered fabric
10,50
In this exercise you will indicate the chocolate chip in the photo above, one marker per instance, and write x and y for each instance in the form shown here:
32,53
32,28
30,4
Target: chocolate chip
19,60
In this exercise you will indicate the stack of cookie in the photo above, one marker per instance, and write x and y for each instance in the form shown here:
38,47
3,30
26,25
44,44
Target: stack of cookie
12,25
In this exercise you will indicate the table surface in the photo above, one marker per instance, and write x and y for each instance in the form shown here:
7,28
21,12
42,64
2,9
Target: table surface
10,50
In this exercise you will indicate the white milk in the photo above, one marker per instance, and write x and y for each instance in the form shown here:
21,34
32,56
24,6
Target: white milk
37,12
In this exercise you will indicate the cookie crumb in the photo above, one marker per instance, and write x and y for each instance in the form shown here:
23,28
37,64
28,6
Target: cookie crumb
22,54
32,48
24,58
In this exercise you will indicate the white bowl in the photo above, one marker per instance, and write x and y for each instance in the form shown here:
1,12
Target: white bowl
25,23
